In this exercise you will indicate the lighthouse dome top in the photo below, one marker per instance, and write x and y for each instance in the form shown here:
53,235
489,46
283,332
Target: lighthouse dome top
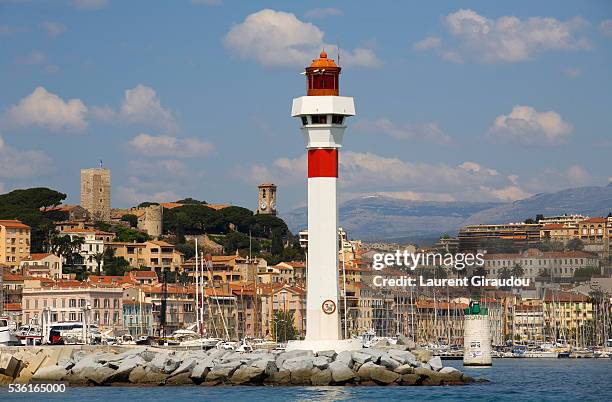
323,62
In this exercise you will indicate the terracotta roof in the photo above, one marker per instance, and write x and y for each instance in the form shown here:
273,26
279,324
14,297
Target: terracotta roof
594,220
38,256
170,205
323,61
142,274
161,243
565,297
217,206
554,226
13,224
12,277
12,306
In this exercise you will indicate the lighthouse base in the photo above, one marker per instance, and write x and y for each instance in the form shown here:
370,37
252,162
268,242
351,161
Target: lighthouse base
338,346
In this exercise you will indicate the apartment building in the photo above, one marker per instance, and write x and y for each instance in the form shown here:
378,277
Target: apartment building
155,254
519,235
44,265
14,243
282,297
566,314
92,248
535,263
71,300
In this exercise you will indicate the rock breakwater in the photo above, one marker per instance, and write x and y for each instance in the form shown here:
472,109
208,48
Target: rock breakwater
381,365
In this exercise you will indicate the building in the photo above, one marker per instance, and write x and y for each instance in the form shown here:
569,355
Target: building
70,300
92,248
559,232
518,235
14,243
154,254
11,292
149,218
266,200
536,263
595,234
228,268
45,265
96,193
286,298
137,317
567,314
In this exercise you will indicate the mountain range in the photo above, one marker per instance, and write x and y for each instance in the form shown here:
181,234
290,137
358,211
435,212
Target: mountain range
383,218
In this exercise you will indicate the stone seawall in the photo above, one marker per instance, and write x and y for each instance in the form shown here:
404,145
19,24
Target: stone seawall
116,365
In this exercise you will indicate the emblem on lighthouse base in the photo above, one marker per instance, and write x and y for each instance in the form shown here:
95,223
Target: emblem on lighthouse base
329,307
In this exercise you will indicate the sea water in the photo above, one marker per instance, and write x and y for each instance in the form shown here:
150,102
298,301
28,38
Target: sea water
509,380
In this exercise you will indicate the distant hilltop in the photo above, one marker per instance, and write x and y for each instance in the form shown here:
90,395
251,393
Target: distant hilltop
377,217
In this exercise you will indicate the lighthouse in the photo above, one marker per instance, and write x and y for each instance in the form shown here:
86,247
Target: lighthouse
322,115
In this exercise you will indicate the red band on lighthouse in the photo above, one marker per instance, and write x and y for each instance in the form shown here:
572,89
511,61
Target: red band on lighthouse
322,163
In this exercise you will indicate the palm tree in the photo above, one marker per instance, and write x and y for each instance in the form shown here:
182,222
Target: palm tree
98,258
517,270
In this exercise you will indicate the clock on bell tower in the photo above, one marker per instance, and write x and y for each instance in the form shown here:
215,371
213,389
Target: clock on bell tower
266,200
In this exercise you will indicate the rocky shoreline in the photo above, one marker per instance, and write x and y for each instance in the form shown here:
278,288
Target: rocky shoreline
89,365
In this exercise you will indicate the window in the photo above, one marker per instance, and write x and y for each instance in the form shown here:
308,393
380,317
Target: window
319,119
72,303
304,120
337,119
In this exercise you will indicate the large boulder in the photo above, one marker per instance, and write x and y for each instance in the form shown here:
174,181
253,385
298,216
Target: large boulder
223,371
389,362
340,372
298,363
179,379
365,371
279,378
199,373
327,353
404,340
345,357
361,358
267,364
410,379
402,356
247,374
9,365
280,359
435,363
423,355
383,376
404,369
320,377
50,373
301,376
375,353
321,362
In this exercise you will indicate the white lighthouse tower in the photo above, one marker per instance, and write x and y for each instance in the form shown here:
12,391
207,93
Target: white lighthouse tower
323,114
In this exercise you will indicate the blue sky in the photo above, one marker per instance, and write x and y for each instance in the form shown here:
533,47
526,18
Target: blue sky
473,101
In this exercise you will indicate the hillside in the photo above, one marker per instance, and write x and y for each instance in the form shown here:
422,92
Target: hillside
383,218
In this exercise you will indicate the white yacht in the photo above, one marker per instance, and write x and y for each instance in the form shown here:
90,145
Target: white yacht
7,338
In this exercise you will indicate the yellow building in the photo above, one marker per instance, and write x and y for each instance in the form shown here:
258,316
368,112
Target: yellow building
567,314
153,254
14,243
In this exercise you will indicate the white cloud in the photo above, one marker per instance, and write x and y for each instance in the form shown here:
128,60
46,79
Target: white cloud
368,172
277,38
525,125
47,110
508,38
605,27
428,131
33,58
316,13
430,42
89,4
53,29
142,105
16,164
164,145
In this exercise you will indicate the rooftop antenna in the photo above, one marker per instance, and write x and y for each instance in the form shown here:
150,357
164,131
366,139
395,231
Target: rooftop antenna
100,163
338,50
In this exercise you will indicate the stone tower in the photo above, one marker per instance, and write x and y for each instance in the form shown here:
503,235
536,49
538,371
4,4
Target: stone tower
96,193
266,201
152,220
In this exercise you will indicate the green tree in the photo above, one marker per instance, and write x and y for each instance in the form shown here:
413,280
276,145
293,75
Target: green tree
113,265
241,218
575,245
147,204
517,270
277,242
190,200
98,258
284,326
131,219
